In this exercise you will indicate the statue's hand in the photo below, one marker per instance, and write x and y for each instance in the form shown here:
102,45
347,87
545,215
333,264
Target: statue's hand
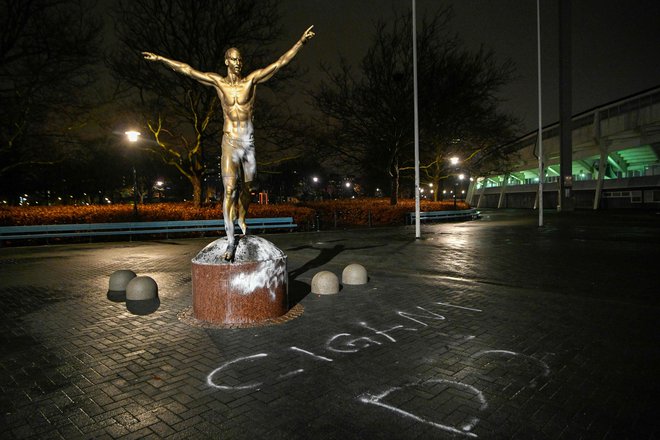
307,35
150,56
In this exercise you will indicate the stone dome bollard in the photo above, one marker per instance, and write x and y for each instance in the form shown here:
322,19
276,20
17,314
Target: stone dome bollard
142,296
118,282
325,283
354,274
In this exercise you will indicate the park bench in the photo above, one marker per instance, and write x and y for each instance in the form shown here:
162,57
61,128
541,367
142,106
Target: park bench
463,214
135,228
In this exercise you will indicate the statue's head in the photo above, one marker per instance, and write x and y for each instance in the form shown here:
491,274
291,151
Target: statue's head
233,61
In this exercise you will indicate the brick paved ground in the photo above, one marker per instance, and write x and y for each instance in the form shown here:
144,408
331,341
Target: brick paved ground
484,329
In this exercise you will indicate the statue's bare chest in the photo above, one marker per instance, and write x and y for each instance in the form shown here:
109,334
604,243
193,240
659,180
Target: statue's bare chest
241,93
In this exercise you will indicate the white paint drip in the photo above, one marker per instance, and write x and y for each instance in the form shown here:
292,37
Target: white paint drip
471,424
477,392
368,342
253,248
210,382
316,356
382,332
337,350
465,428
459,307
268,274
249,249
290,373
429,315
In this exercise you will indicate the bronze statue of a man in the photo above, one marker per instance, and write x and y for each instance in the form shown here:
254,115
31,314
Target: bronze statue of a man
237,96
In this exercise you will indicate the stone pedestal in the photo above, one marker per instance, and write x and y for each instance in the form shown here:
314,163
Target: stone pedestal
253,288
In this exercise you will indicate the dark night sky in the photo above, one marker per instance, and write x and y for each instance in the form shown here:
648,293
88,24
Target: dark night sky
616,44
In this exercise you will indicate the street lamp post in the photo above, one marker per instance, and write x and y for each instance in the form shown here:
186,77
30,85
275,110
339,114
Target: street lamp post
454,162
315,184
418,229
132,138
459,186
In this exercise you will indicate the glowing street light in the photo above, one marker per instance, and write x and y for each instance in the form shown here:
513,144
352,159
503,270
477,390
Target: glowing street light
133,136
454,160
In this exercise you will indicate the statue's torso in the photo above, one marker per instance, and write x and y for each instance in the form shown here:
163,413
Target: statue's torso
237,100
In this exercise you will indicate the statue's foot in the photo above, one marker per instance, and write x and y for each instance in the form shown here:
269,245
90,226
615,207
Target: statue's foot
243,226
230,252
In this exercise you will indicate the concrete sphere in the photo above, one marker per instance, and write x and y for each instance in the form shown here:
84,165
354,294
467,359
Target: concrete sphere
118,282
325,283
142,296
354,274
141,288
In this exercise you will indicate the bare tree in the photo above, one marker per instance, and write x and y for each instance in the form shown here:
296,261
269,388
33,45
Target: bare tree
182,115
48,52
369,114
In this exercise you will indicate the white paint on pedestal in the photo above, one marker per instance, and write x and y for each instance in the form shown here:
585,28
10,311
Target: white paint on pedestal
270,273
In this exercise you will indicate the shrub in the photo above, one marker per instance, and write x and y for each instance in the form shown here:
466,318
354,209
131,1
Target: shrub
41,215
346,213
372,211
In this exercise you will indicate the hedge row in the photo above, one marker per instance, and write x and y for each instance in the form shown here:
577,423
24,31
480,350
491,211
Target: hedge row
372,212
339,213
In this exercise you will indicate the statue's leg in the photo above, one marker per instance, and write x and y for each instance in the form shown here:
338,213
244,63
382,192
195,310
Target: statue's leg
249,164
229,214
229,169
243,205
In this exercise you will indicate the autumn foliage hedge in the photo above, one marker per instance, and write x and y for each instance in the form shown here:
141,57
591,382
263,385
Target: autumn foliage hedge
372,211
42,215
342,213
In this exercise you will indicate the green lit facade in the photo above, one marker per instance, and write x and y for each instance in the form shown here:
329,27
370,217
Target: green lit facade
616,161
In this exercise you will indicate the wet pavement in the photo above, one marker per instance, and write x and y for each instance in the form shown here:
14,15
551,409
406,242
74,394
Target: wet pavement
492,329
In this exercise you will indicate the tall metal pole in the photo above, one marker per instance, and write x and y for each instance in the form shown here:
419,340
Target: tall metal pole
539,141
418,230
135,192
132,138
565,108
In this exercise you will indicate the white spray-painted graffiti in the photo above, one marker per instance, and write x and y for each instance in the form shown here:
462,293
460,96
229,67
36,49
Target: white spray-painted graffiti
316,356
268,274
545,369
209,378
351,345
344,344
464,429
428,315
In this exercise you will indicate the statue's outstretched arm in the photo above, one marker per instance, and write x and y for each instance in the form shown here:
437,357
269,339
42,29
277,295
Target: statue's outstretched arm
266,73
178,66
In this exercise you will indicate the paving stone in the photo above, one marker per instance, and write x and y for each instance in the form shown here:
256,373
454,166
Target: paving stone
491,328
